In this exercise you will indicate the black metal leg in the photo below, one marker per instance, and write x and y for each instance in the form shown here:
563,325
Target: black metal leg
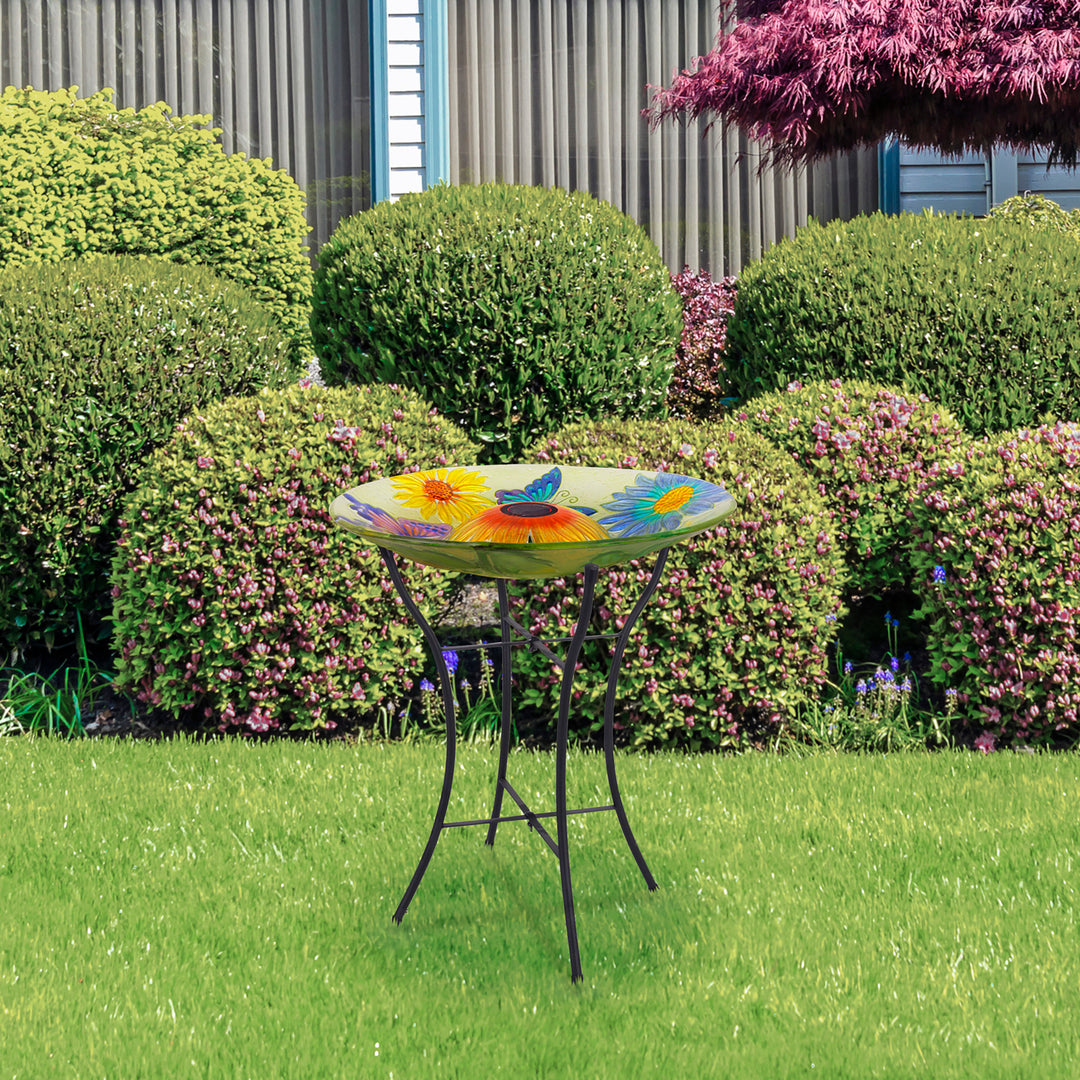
572,654
609,715
451,731
507,708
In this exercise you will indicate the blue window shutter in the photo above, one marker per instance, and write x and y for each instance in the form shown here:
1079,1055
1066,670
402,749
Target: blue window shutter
889,177
436,93
380,102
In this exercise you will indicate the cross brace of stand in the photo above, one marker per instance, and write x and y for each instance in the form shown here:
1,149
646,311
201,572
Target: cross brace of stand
510,626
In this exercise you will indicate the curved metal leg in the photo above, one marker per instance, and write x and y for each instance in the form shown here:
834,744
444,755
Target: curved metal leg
609,715
572,654
451,731
507,707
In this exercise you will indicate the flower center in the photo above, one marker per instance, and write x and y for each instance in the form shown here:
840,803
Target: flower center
438,490
673,499
528,509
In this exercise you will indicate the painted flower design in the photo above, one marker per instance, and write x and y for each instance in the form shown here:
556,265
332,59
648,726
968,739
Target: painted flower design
451,495
529,522
657,504
387,523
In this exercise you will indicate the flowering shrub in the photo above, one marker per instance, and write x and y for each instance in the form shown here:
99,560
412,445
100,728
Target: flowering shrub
735,637
699,385
996,561
867,447
234,595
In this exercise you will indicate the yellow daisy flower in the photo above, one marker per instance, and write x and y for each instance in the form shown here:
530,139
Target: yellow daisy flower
450,494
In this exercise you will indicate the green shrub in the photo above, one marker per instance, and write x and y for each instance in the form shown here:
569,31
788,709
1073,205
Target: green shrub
516,309
1038,212
867,448
981,315
235,597
81,176
996,557
99,359
735,638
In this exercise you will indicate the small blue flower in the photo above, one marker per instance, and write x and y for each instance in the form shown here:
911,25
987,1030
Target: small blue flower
426,684
861,687
939,575
895,623
907,658
849,667
885,676
450,658
894,664
888,617
828,708
830,618
906,686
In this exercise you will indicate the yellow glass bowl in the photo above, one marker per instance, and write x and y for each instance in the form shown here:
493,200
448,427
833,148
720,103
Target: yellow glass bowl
529,521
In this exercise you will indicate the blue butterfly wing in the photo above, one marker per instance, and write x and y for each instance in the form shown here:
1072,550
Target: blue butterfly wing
541,489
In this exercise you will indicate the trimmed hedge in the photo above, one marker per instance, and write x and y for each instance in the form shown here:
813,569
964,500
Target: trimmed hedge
867,448
99,360
81,177
735,638
236,600
996,554
515,309
981,315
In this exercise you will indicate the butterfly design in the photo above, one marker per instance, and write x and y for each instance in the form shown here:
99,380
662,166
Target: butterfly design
544,489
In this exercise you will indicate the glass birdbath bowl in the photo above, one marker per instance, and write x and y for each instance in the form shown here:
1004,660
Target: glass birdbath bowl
531,521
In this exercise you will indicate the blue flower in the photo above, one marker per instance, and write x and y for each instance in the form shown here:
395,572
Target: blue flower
849,667
888,617
426,684
939,575
907,658
894,664
895,623
861,687
450,658
658,504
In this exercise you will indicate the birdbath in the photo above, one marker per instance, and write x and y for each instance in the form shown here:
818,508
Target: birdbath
528,521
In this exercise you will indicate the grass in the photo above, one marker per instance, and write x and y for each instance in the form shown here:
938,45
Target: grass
223,910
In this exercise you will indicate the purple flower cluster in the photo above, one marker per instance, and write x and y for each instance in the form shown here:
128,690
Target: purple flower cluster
699,386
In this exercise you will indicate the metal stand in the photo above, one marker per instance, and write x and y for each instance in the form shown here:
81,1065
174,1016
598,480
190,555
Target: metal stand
510,626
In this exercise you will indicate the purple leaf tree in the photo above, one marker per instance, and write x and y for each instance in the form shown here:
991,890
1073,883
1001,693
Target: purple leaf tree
812,77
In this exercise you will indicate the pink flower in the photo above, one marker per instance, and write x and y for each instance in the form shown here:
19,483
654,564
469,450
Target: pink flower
985,743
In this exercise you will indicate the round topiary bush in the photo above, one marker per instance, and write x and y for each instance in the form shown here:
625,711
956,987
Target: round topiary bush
1038,212
82,176
981,315
735,638
867,448
515,309
995,548
99,359
236,600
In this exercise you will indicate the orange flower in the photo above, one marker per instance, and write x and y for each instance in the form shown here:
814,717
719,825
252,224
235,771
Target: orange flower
529,522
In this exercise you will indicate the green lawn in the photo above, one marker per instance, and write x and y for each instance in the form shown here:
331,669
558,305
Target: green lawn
223,910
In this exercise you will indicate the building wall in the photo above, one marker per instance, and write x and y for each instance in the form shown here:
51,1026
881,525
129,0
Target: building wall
972,184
